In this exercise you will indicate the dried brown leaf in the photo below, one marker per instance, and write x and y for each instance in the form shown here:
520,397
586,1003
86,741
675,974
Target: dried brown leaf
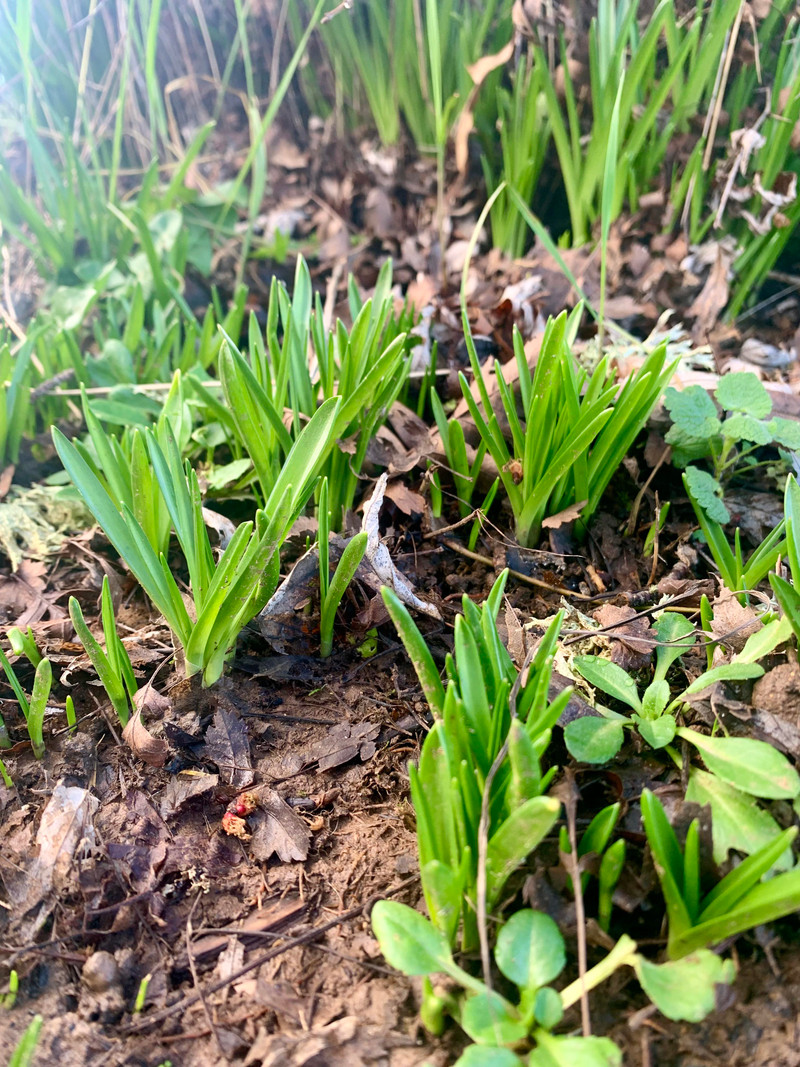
632,647
564,517
277,829
183,787
153,750
228,745
478,71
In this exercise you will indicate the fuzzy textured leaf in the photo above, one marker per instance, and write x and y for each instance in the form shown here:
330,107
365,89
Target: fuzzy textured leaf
706,490
693,412
743,391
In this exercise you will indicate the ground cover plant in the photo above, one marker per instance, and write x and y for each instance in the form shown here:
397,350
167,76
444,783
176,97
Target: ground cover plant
425,691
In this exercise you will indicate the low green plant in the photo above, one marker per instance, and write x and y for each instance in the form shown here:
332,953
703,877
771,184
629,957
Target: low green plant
124,468
24,645
9,999
366,367
141,995
575,428
464,473
524,126
23,1054
786,593
739,769
744,898
113,665
226,595
490,713
726,439
530,954
15,409
332,589
736,573
595,840
656,99
404,65
33,709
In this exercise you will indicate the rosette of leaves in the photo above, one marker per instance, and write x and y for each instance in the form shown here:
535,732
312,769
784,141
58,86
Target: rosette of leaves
530,954
740,771
726,434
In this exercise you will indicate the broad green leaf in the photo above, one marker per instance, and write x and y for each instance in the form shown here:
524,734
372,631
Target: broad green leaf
552,1051
746,428
593,740
743,391
785,432
692,411
752,766
655,699
530,949
515,839
409,942
705,491
657,732
611,678
548,1010
481,1056
766,639
736,671
490,1019
737,822
677,635
684,989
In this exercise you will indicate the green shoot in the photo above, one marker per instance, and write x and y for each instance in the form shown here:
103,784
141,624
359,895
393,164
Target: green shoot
740,901
24,645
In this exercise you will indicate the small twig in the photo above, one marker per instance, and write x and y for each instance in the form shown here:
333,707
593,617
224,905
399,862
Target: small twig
634,515
656,533
453,526
345,5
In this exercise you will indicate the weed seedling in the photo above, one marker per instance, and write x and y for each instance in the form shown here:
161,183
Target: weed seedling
727,439
740,769
740,901
113,665
530,953
331,590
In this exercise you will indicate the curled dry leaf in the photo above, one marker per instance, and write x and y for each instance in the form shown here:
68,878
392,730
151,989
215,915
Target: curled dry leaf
478,71
153,750
378,559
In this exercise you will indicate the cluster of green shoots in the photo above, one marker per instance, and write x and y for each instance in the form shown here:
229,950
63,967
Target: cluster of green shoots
480,800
